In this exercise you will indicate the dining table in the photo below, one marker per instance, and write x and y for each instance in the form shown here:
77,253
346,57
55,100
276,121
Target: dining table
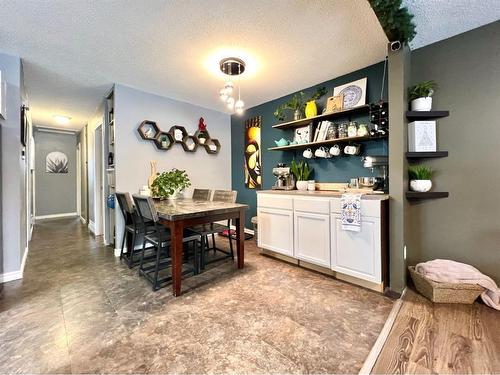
178,214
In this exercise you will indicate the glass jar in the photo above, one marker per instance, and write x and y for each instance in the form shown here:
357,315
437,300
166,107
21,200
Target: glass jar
342,130
352,129
363,130
332,131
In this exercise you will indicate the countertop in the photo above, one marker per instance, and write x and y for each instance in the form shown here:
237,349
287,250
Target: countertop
323,193
177,209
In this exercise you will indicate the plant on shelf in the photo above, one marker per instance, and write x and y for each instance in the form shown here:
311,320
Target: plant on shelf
420,178
297,104
301,172
170,184
420,95
395,20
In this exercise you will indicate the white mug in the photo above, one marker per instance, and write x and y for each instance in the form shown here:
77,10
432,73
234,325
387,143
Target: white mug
308,154
335,150
319,153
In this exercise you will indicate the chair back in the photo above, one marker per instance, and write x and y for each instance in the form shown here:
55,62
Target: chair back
126,206
145,208
228,196
202,194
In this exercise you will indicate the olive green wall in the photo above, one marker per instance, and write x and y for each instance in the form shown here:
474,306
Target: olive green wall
466,226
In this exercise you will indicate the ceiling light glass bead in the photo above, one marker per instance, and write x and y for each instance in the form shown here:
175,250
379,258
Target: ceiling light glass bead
223,95
238,106
230,103
229,88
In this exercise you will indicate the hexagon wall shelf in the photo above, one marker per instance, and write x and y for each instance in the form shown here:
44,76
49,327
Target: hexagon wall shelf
164,141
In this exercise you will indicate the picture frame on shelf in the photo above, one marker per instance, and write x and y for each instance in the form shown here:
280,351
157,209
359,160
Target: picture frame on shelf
335,103
354,93
303,134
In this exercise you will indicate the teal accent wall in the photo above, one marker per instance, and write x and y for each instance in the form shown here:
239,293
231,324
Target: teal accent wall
339,169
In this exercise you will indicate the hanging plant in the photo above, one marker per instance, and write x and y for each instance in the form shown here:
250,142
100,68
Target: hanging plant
395,20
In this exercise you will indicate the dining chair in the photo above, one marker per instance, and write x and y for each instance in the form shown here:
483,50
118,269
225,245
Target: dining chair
202,194
160,240
204,230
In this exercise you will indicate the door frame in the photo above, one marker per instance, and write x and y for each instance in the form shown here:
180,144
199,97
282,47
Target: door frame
98,181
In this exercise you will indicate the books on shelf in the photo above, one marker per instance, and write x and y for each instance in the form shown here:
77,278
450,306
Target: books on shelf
322,131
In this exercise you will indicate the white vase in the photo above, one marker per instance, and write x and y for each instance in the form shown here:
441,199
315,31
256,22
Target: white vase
302,185
176,195
420,186
422,104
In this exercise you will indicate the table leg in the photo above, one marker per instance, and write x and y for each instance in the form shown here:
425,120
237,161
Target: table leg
240,238
176,233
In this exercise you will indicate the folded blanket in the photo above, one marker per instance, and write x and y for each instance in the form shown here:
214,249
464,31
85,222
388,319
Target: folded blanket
449,271
350,214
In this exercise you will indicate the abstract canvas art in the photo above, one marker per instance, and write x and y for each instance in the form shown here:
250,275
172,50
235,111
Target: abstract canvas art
56,162
253,167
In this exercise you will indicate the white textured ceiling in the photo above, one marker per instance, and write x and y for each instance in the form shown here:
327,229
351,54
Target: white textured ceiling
73,50
440,19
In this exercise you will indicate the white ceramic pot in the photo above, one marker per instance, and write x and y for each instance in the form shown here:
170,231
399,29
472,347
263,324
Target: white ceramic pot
422,104
420,186
302,185
176,195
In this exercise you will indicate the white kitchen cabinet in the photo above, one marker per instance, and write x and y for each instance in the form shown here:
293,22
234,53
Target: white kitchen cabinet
312,238
275,230
357,254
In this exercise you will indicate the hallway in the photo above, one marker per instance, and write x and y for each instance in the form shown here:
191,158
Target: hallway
79,309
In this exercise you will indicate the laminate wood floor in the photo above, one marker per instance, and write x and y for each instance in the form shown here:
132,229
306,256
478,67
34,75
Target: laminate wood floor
429,338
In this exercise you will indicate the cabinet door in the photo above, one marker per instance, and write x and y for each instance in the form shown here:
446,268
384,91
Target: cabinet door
312,237
357,253
275,230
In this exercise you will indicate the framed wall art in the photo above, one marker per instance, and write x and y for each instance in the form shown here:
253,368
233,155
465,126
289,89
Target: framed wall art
303,134
354,93
56,162
253,167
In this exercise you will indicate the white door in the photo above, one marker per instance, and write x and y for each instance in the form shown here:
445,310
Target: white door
357,253
312,237
275,228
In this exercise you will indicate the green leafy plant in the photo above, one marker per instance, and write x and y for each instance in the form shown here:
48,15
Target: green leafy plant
167,183
422,90
420,172
297,103
395,20
301,171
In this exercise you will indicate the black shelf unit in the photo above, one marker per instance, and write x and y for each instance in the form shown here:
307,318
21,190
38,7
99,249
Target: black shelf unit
426,115
413,156
413,195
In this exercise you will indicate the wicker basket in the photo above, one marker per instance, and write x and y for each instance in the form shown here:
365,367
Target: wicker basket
445,292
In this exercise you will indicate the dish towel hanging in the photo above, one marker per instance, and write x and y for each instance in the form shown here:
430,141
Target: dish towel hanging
350,214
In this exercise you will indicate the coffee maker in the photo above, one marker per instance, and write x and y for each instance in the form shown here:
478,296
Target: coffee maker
285,179
379,163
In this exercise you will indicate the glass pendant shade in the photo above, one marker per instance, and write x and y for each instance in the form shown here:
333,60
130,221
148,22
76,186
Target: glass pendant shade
230,103
229,88
239,106
223,95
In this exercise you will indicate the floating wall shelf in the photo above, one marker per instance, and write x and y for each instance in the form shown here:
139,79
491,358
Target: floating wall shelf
428,195
324,116
426,155
426,115
148,130
324,143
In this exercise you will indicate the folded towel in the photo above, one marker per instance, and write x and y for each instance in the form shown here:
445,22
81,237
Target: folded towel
351,212
449,271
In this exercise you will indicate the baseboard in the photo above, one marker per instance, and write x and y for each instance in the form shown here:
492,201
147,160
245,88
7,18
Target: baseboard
55,216
92,226
117,252
83,220
11,276
248,231
23,262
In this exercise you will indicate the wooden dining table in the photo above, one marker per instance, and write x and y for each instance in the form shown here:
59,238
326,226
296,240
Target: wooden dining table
178,214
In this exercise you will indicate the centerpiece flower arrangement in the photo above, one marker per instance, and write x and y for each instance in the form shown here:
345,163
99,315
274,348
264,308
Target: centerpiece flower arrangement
170,184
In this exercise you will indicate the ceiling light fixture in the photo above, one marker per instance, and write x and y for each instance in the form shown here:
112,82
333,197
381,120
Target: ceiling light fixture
232,66
61,120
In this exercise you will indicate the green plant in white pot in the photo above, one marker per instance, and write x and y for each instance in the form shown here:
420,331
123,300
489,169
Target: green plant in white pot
421,95
301,172
170,184
420,178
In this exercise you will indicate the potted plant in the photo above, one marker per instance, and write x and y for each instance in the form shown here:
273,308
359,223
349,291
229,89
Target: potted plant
421,95
311,108
301,172
395,19
420,178
297,104
170,184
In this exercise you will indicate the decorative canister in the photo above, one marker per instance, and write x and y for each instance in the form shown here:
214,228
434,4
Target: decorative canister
342,130
332,132
311,109
363,130
352,129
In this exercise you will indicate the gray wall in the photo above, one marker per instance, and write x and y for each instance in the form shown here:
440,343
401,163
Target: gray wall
13,167
55,192
466,226
133,154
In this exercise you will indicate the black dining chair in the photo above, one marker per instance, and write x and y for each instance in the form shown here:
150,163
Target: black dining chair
210,229
159,238
202,194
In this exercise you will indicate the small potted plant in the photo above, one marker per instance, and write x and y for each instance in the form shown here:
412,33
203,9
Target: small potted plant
301,172
170,184
421,95
298,103
420,178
